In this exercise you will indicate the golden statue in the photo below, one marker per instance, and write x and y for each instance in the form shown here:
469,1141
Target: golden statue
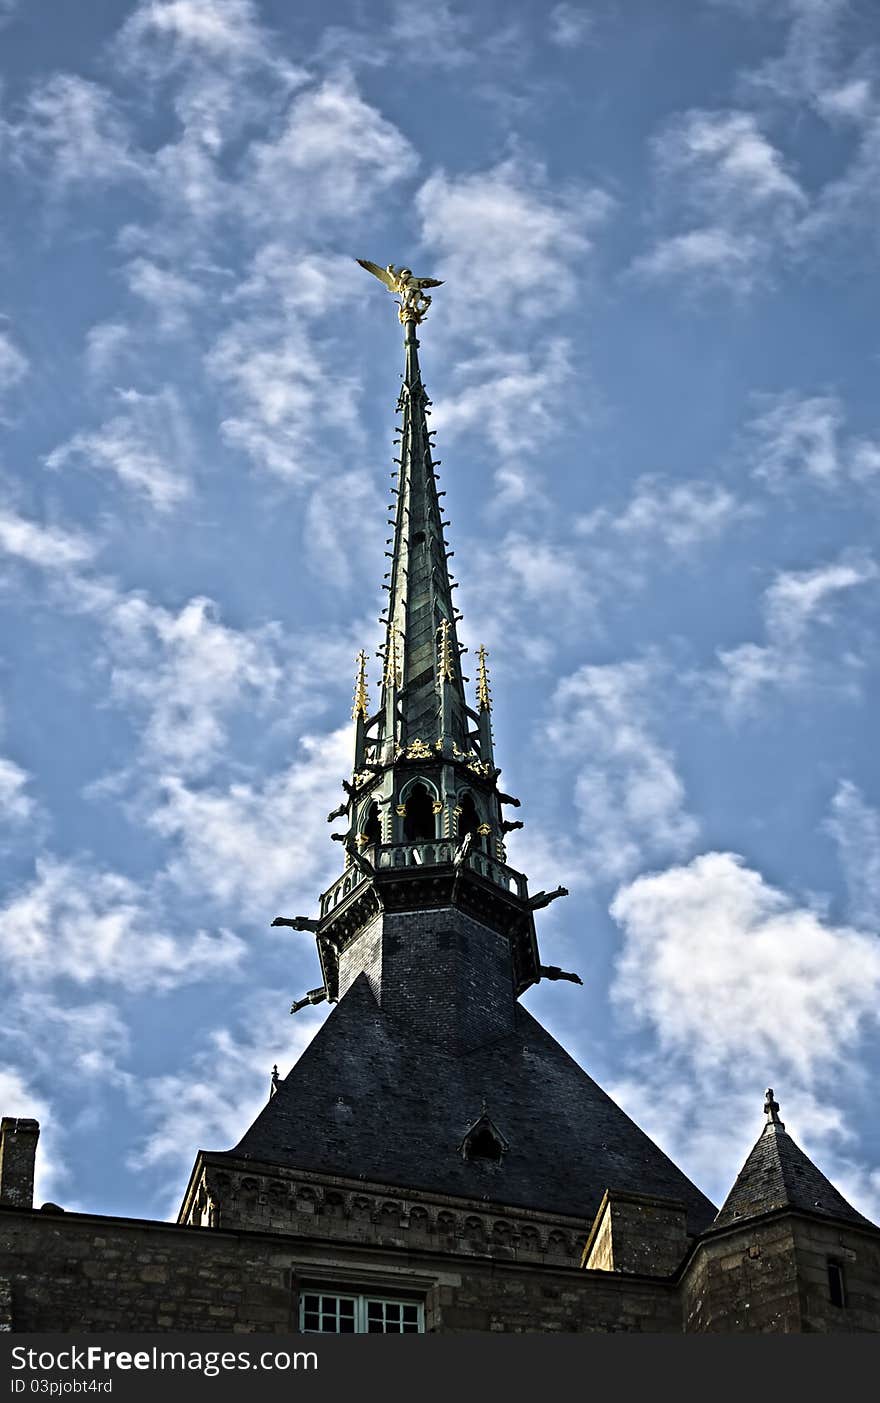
414,301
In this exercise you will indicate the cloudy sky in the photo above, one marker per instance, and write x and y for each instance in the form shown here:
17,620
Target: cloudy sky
654,369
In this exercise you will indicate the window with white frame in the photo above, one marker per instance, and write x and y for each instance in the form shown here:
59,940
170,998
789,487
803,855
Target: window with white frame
323,1314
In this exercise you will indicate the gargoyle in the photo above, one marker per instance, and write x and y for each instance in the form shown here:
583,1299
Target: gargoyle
543,898
507,826
362,863
338,813
314,996
463,849
296,922
554,972
508,799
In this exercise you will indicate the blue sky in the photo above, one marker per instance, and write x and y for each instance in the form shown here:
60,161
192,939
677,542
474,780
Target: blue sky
653,366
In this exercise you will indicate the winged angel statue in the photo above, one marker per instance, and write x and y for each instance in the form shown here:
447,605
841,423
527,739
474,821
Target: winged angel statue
414,301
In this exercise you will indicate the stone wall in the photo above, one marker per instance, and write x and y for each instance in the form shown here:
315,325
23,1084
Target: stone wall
75,1272
771,1276
858,1256
633,1233
18,1150
234,1194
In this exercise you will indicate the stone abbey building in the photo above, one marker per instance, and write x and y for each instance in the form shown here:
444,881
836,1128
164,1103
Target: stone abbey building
435,1161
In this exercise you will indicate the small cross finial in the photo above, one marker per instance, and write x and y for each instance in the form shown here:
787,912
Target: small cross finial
361,700
771,1109
484,696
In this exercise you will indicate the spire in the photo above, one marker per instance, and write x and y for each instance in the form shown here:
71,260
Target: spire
484,695
424,812
361,700
423,688
360,712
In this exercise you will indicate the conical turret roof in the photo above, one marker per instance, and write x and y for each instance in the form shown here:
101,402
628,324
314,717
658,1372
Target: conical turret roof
778,1174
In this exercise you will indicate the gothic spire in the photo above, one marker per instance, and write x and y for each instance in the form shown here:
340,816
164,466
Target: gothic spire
423,692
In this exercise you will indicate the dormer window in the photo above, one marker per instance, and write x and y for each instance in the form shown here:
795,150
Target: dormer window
483,1140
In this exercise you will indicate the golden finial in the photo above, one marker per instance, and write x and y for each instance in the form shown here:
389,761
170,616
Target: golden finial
446,672
392,666
361,700
484,696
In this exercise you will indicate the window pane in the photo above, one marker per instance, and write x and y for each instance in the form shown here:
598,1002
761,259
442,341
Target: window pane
348,1315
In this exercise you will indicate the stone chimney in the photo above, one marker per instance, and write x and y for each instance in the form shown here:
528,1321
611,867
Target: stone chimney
18,1151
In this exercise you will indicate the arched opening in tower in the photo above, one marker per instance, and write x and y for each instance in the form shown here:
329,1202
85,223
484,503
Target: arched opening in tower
373,825
468,819
419,821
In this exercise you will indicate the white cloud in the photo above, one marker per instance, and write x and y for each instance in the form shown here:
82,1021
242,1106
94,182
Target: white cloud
795,436
711,254
187,670
726,163
334,156
89,926
67,1041
515,399
74,131
629,798
797,598
720,169
253,845
442,35
279,380
168,293
727,970
739,988
162,35
335,539
804,69
47,547
794,603
543,575
274,369
147,447
855,826
15,805
105,342
507,241
679,515
13,364
569,26
852,101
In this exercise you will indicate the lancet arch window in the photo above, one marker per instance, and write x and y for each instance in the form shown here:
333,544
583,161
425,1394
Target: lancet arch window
469,820
419,798
371,823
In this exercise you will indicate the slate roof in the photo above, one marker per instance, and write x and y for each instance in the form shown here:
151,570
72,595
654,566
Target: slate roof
777,1174
369,1097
